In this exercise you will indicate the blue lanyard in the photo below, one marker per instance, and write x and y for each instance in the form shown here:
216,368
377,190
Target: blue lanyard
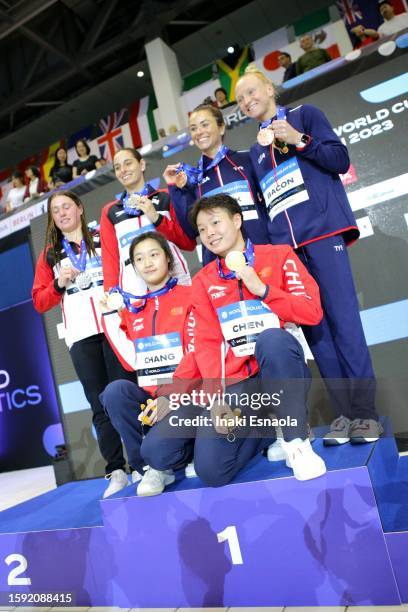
78,261
280,115
124,198
170,284
196,175
249,256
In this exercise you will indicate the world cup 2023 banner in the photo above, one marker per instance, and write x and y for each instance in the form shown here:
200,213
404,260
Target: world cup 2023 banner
30,425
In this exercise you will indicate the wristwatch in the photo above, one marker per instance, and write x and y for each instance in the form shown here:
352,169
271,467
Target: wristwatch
304,140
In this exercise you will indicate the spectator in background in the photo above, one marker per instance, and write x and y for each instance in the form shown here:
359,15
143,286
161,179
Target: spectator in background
61,172
364,36
312,57
285,61
392,23
221,98
36,186
85,162
15,196
101,162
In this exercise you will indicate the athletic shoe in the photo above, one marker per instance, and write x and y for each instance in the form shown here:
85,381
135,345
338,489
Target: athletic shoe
305,463
365,430
339,432
190,471
154,482
136,477
276,451
117,480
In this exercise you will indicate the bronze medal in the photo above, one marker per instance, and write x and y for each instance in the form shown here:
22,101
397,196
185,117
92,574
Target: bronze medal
181,179
265,137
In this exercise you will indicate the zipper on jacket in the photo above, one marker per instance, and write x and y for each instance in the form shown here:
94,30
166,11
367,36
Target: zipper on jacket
156,310
241,297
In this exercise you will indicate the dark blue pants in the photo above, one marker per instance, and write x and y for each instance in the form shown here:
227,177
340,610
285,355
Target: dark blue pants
216,460
338,343
121,401
97,365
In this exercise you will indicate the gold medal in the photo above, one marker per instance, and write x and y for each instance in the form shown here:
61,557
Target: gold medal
281,146
181,179
265,137
235,261
115,301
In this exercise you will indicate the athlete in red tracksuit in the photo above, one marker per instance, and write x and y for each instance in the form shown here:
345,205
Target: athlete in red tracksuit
240,340
161,326
69,273
139,209
121,222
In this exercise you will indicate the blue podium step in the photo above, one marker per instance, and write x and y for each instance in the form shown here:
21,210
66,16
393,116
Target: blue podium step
264,540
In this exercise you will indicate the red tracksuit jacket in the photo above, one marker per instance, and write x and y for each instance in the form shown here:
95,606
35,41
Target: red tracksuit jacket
171,312
292,294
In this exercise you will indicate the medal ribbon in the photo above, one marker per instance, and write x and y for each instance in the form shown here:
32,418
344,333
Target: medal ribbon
78,261
195,175
170,284
280,116
249,256
134,212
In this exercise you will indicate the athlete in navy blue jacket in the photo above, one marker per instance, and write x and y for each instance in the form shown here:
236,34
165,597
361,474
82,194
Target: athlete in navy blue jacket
220,170
297,159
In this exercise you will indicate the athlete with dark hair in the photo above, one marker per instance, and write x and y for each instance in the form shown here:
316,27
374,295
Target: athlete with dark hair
161,326
220,170
69,273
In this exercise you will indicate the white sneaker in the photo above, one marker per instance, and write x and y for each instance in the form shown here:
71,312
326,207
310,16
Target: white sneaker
276,451
118,480
305,463
154,482
136,477
190,471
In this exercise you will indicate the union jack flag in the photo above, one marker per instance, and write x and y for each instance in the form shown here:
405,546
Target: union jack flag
112,137
349,11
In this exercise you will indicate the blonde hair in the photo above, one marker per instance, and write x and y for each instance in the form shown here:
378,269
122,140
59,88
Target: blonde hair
252,69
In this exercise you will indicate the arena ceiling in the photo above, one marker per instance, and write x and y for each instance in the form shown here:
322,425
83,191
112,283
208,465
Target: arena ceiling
56,52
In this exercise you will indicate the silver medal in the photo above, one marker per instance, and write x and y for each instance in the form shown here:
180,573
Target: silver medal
115,301
83,281
133,201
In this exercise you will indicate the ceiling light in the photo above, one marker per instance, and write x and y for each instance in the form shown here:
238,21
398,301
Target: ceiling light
140,74
230,49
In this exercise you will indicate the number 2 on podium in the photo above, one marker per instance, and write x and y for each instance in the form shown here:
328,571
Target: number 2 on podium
229,534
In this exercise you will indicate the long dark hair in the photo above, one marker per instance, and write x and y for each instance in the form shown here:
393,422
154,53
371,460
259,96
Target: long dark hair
161,241
86,145
53,235
57,163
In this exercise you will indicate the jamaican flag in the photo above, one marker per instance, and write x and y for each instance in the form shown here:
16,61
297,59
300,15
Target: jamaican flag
230,68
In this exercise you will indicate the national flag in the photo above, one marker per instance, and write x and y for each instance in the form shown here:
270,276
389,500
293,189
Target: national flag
141,121
230,68
350,11
333,37
48,159
112,137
